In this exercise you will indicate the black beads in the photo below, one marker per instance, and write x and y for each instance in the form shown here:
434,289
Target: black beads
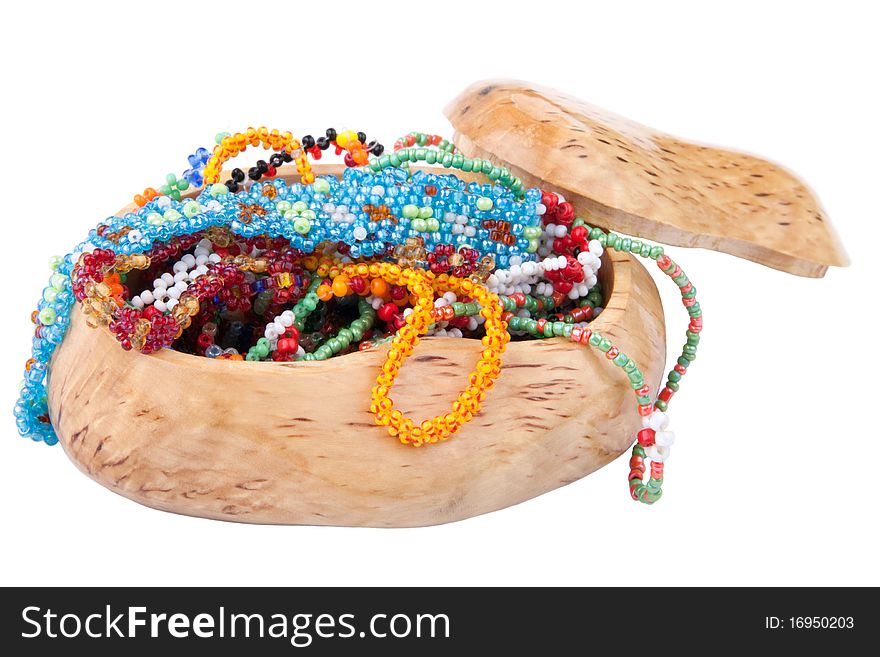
237,175
254,173
309,143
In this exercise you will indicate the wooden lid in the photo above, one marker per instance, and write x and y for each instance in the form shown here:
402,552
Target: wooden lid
642,182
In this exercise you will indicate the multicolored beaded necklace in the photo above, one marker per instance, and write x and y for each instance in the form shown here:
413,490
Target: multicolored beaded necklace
257,268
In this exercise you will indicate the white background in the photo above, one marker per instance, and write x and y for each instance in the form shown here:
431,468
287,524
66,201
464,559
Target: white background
773,476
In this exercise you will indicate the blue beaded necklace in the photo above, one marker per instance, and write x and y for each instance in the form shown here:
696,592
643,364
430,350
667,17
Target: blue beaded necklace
438,208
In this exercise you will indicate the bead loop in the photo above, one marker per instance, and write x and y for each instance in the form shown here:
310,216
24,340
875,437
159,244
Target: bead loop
423,285
232,145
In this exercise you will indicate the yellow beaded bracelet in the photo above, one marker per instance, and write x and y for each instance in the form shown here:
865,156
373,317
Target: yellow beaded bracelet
232,145
423,284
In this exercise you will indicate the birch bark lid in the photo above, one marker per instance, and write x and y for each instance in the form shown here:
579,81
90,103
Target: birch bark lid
639,181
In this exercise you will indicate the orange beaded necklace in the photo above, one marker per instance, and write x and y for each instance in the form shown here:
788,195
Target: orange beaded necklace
232,145
423,285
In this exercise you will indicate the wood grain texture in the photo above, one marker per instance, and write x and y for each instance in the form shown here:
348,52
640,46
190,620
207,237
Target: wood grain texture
642,182
294,443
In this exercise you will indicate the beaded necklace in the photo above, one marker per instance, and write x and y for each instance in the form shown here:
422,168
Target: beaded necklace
423,139
357,149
